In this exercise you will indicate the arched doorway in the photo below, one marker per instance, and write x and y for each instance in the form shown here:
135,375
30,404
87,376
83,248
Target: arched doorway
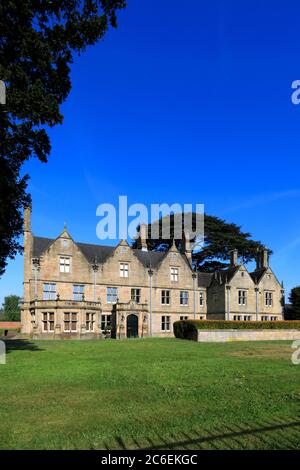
132,326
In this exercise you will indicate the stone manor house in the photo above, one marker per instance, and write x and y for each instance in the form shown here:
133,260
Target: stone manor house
78,290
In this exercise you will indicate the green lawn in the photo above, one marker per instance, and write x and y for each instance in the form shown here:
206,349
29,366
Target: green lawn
151,393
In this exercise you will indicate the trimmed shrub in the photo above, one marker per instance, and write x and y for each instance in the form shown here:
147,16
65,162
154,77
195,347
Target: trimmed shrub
187,329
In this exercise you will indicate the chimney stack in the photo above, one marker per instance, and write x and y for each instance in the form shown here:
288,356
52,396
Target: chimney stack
186,246
27,217
143,237
265,257
234,258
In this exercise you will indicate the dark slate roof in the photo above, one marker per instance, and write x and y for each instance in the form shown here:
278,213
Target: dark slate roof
227,274
150,258
40,244
204,279
101,252
258,274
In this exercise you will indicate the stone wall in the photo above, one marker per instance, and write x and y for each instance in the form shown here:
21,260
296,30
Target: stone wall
224,336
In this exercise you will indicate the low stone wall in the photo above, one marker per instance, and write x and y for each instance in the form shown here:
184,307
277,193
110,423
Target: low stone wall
223,336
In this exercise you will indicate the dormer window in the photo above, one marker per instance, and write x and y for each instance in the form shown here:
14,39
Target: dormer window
268,299
64,264
124,270
174,274
242,297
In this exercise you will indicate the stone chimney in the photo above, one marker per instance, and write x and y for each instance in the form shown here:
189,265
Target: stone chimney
234,258
265,257
262,259
143,237
186,246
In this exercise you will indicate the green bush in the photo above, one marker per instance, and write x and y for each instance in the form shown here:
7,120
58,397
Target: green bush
187,329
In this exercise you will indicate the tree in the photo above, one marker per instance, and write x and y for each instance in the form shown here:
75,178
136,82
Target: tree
220,238
295,302
39,39
11,308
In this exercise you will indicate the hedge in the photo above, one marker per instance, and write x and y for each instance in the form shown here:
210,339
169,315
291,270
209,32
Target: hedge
186,329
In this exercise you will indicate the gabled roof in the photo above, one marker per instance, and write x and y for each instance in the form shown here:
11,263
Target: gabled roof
204,279
149,258
226,275
258,274
92,252
40,244
100,252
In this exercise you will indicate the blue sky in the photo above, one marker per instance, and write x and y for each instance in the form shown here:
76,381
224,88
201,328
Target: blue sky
185,102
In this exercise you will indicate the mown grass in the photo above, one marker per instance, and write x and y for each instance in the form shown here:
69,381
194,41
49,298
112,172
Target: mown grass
151,393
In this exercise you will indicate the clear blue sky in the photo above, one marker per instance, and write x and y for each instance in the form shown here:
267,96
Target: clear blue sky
185,102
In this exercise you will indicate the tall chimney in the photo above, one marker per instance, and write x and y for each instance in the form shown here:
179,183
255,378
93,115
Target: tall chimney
234,258
265,257
143,237
186,246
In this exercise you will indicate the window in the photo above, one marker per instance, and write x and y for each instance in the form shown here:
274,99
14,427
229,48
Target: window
165,323
48,322
65,243
136,295
70,321
184,297
184,318
64,264
111,295
201,299
269,299
247,318
78,292
89,321
165,297
174,274
124,269
49,291
273,318
237,317
105,322
242,297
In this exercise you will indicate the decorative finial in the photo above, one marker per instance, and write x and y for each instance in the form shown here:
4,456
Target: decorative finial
65,225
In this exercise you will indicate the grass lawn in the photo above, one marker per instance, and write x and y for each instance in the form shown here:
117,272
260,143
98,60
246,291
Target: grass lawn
151,393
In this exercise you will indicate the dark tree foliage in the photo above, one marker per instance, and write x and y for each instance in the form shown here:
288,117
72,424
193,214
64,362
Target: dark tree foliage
220,238
38,41
11,308
295,303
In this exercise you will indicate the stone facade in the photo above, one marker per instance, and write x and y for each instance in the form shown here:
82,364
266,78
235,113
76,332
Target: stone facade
78,290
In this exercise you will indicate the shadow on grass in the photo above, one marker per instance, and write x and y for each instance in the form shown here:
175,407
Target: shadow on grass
20,345
287,436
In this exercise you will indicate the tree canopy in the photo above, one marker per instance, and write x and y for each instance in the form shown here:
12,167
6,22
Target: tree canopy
11,308
39,39
295,303
220,238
